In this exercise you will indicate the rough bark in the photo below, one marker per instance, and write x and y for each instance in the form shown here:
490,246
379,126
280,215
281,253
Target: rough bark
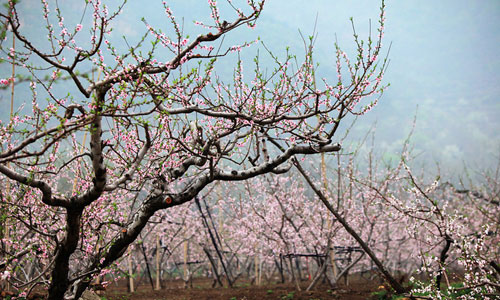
60,280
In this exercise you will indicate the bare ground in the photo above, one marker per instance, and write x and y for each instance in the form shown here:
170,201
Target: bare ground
201,290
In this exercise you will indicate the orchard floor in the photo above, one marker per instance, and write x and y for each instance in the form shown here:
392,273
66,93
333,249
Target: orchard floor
202,290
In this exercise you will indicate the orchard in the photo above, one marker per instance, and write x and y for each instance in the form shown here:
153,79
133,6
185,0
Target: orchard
139,162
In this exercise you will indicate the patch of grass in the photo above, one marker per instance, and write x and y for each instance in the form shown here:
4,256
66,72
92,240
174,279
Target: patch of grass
288,296
448,293
244,285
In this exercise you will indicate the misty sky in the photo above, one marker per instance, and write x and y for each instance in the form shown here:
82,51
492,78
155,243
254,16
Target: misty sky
444,59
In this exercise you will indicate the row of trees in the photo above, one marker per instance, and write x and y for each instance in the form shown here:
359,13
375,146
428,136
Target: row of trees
433,232
273,228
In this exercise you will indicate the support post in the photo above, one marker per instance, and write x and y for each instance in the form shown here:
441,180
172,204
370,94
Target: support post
330,217
158,283
256,269
130,271
185,260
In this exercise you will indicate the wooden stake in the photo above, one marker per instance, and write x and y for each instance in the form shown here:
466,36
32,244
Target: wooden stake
339,182
185,260
130,271
330,221
260,271
7,185
323,173
158,284
308,265
334,266
12,79
219,198
256,269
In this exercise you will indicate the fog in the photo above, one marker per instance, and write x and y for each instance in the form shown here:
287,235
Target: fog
444,60
443,67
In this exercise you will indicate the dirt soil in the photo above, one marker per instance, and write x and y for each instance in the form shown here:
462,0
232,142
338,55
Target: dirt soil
202,290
